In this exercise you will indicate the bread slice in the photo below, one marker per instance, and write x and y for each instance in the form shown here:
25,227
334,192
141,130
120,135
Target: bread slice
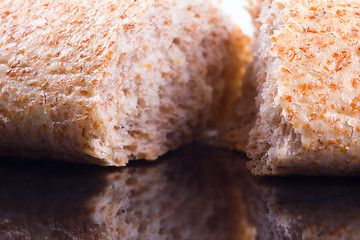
107,81
306,56
187,195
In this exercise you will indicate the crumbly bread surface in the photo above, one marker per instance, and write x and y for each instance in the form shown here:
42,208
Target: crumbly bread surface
307,55
109,81
233,131
235,113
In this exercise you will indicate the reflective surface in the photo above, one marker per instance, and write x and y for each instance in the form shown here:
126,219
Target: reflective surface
197,192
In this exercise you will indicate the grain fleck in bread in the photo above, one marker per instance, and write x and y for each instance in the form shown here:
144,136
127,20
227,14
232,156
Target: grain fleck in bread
307,56
109,81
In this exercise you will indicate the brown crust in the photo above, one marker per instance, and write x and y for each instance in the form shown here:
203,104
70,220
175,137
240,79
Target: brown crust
108,81
315,47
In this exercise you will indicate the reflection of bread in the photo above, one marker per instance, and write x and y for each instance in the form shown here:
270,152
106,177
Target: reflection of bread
108,81
308,75
188,195
303,208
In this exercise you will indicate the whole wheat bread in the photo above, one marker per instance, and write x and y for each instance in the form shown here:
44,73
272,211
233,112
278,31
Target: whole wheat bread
306,59
109,81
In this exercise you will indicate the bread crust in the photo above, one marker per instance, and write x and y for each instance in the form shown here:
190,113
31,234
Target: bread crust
109,81
309,116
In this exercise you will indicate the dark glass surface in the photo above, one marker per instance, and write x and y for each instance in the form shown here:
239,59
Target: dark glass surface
197,192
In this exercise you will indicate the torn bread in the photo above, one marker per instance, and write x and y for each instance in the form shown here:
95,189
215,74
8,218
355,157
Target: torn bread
233,132
109,81
306,57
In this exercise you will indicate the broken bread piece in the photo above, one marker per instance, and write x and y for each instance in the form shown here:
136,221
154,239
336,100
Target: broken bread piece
108,81
233,132
306,58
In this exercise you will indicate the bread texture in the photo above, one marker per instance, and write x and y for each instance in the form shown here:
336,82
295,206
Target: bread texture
233,132
109,81
306,57
236,113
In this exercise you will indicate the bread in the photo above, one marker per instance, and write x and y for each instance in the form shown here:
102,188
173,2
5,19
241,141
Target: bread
109,81
306,57
187,195
233,132
303,208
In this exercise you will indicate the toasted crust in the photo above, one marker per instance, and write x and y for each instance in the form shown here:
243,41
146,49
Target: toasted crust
109,81
309,88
